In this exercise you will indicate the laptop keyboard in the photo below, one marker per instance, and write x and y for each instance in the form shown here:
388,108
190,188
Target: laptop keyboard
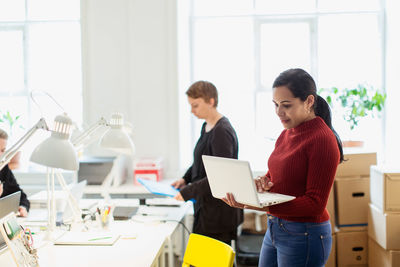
268,199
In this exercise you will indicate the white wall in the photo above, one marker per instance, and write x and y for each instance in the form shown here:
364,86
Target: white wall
392,138
130,66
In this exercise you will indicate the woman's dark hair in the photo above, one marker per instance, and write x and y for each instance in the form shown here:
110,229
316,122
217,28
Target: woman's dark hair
205,90
301,84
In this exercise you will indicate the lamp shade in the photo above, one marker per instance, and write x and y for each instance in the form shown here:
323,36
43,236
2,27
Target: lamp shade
57,151
116,138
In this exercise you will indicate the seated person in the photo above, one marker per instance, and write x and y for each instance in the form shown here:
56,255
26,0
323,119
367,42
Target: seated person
8,182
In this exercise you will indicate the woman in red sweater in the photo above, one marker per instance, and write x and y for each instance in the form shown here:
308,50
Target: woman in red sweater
303,164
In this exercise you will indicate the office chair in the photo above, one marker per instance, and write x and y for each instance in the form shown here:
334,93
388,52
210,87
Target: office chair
250,239
203,251
248,246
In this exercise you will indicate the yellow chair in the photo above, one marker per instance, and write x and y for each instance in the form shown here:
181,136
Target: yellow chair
203,251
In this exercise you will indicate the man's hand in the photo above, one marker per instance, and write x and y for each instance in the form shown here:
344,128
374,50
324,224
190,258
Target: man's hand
178,184
22,211
263,183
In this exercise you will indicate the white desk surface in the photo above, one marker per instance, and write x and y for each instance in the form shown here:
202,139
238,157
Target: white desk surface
142,251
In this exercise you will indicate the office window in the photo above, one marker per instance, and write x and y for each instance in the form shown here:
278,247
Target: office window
242,48
40,49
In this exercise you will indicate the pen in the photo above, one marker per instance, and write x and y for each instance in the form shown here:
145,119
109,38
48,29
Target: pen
100,238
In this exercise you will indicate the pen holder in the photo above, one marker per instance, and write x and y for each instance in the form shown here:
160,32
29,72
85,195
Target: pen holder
104,219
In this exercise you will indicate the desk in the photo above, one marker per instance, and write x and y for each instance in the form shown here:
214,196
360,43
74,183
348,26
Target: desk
123,190
153,240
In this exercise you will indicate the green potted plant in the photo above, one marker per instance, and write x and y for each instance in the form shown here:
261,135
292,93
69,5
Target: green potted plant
357,102
9,123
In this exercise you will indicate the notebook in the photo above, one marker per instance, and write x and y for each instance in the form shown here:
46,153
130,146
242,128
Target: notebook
158,188
87,239
235,176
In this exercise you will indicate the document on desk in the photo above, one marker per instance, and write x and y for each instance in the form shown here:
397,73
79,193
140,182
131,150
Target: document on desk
158,188
87,239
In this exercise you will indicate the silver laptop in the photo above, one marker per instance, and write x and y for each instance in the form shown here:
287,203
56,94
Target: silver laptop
226,175
8,204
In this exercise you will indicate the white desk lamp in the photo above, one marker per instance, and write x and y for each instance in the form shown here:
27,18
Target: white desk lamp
57,153
115,138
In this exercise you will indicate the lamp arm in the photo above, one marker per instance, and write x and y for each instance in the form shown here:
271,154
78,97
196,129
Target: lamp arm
105,186
7,156
72,201
80,140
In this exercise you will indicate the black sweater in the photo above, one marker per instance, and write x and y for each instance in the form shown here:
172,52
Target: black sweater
10,186
211,215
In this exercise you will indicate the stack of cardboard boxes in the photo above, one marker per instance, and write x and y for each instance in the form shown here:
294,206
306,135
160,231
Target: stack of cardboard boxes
351,195
384,217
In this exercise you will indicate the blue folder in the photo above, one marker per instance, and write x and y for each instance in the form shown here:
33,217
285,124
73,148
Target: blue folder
158,188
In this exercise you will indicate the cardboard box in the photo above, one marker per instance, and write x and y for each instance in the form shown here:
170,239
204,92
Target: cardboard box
255,222
332,257
351,228
352,198
385,188
377,256
384,228
356,164
352,249
330,206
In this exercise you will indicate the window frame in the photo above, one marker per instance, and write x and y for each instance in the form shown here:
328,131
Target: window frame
23,25
312,18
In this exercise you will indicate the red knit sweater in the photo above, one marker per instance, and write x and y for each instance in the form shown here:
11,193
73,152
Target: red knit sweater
304,164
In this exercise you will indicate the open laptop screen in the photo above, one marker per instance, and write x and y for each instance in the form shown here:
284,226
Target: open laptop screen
8,204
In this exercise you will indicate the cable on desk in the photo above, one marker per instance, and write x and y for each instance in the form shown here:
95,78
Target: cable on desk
183,225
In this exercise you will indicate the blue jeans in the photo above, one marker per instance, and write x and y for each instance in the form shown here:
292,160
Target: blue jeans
290,244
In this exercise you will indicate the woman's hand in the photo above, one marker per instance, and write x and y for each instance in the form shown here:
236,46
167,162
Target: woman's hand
179,197
178,184
230,200
263,183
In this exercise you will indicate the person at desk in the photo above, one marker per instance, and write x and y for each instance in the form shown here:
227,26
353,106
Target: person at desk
212,217
303,164
8,182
